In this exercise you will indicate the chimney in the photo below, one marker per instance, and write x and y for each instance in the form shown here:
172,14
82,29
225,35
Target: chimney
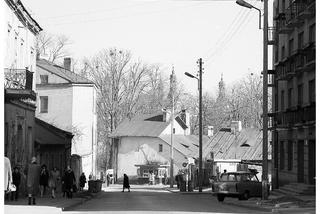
165,115
67,63
185,116
210,131
236,126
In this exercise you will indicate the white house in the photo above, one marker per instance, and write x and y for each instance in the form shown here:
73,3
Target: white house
68,101
142,145
19,61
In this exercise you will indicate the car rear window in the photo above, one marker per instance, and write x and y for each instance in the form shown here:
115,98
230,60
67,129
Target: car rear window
228,177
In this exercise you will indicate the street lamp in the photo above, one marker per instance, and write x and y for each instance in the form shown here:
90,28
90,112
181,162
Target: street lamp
200,119
265,96
250,6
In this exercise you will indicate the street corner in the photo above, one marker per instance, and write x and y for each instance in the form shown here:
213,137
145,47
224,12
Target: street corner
13,209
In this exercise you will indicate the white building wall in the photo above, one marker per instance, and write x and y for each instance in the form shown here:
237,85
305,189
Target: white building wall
178,129
85,123
52,78
19,44
140,150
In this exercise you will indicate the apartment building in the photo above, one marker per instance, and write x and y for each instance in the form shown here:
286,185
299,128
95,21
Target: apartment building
293,92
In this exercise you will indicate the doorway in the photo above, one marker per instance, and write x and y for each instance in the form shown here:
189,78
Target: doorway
312,161
300,159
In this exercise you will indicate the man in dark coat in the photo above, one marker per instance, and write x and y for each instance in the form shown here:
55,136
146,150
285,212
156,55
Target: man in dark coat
69,181
16,178
33,175
126,183
82,181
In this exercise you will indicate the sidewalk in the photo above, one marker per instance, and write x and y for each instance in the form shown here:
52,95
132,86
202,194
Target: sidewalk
277,204
48,204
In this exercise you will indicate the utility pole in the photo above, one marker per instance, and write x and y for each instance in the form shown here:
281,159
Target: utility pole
172,120
265,105
200,124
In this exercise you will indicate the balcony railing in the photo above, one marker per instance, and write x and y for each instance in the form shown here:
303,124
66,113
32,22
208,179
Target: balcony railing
296,117
18,79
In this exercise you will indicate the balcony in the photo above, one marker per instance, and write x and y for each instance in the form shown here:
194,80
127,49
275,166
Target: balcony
281,25
18,79
295,117
310,52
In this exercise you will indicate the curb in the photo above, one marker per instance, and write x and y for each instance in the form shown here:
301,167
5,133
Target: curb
186,193
263,209
85,199
293,209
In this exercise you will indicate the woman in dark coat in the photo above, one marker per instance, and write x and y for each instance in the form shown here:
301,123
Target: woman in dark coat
82,181
125,183
69,181
44,179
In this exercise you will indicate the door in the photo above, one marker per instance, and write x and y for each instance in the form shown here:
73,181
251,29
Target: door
312,161
300,159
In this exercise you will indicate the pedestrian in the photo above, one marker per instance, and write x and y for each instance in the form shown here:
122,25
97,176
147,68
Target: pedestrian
69,181
54,179
44,179
108,179
224,173
82,181
126,184
165,178
33,177
63,185
217,173
7,176
16,177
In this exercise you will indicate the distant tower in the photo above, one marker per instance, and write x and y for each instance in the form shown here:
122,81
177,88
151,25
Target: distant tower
173,84
222,90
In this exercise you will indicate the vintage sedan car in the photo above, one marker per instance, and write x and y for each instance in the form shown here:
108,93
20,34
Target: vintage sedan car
241,184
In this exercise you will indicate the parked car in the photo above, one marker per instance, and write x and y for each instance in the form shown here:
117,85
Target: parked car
241,184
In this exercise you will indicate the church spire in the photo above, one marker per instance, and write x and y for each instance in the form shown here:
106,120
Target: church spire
222,91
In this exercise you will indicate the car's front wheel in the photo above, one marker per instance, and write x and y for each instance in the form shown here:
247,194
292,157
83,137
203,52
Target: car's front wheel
220,197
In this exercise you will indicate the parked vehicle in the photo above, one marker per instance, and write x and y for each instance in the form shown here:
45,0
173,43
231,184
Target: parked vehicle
241,184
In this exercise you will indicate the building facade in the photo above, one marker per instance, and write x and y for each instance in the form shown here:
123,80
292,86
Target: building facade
293,92
19,85
68,101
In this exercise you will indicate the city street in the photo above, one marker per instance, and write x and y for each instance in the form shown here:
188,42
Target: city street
156,200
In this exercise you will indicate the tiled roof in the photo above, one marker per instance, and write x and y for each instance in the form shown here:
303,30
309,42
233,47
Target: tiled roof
186,144
150,125
62,72
227,145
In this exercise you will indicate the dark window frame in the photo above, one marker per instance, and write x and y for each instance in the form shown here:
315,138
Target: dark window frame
44,79
160,147
44,104
282,155
290,154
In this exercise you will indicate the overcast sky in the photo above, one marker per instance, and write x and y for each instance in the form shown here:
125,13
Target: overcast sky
176,32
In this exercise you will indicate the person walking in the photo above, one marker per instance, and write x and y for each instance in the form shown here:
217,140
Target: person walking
126,184
108,179
69,181
33,175
16,177
7,176
54,179
82,181
44,179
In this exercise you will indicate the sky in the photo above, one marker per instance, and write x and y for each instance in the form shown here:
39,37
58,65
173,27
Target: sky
170,33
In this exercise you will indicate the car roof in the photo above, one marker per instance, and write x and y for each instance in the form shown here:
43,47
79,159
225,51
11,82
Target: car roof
241,172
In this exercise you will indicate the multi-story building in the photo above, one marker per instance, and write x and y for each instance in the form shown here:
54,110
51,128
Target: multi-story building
68,101
293,94
19,85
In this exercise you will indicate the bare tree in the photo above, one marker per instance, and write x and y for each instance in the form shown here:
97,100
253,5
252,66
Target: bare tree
52,47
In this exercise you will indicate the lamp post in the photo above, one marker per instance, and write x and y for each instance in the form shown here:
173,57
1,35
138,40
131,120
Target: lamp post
200,119
250,6
264,95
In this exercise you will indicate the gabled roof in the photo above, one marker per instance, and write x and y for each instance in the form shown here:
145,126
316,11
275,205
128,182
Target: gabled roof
49,134
188,145
70,76
150,125
227,145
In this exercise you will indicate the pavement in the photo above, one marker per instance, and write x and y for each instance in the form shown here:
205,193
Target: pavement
274,204
48,205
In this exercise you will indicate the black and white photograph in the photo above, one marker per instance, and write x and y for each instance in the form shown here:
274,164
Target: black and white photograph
159,106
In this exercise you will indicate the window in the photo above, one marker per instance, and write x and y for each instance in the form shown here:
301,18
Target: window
276,55
174,130
160,148
312,33
276,101
291,42
300,40
312,91
290,155
43,104
282,155
289,97
211,155
283,52
44,79
300,95
282,100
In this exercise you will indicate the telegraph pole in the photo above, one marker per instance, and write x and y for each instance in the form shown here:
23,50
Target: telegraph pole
265,105
200,124
172,120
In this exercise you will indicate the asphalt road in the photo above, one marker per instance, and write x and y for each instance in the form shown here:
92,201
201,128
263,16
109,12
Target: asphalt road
144,199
